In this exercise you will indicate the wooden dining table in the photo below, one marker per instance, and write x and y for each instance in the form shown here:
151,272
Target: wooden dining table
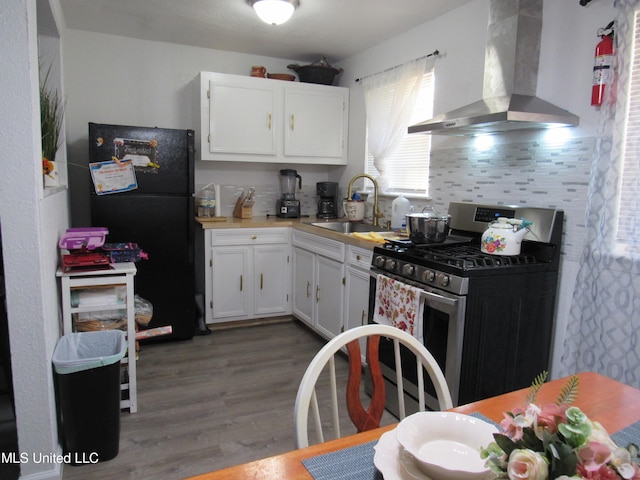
613,404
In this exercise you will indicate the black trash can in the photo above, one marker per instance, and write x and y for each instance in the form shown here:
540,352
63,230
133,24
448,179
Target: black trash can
87,376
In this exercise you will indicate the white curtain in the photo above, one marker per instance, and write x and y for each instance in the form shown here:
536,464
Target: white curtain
604,324
387,122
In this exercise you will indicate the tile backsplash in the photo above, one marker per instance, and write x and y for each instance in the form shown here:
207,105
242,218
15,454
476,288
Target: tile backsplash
266,197
531,173
528,173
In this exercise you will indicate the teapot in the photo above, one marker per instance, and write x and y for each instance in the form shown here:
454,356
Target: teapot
504,237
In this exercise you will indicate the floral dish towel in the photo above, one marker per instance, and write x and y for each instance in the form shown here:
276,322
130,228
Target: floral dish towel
399,305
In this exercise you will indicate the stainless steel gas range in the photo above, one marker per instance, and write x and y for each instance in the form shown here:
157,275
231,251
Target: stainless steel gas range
488,319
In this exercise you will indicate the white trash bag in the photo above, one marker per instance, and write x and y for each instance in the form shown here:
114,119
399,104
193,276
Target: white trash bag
81,351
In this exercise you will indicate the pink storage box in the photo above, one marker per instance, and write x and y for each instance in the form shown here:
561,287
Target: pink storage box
85,238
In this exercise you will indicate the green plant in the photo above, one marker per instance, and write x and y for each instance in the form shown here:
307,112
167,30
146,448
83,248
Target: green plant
51,115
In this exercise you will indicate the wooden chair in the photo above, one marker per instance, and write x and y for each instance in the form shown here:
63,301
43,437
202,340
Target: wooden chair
370,418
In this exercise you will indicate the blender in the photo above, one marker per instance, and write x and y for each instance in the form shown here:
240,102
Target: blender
287,206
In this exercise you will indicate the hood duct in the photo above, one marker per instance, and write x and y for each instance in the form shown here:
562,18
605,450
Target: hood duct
510,79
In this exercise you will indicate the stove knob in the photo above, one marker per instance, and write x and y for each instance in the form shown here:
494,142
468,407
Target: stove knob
390,264
429,276
408,269
444,280
379,261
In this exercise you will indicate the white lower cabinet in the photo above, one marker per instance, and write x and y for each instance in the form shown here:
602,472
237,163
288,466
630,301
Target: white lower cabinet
271,279
318,287
255,273
249,273
356,304
231,295
304,283
329,296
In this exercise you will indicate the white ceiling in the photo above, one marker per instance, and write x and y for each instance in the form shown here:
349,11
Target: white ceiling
336,29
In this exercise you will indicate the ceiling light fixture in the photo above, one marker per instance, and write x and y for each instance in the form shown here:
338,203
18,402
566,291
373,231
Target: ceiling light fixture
274,12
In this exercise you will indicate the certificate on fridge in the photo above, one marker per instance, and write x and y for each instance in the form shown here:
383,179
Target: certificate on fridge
113,176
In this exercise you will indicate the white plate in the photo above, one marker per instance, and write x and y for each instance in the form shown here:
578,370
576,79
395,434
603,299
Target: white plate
393,462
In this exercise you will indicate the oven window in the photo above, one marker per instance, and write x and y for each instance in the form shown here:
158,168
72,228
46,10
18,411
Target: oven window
435,335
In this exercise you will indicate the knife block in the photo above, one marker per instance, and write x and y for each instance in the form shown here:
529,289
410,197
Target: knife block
240,211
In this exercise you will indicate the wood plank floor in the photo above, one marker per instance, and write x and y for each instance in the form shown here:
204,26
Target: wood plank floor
212,402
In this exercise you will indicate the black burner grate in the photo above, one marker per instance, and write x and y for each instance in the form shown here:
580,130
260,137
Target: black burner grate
465,257
470,257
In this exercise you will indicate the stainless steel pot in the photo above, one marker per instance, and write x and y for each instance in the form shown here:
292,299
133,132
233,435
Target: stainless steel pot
428,227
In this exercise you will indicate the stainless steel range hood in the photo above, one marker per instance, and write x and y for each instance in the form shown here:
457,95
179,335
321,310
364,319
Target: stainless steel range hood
510,79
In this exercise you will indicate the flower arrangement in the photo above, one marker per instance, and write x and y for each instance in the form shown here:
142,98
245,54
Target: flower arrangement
557,441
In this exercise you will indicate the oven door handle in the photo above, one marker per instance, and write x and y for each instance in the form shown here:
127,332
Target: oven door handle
452,302
447,301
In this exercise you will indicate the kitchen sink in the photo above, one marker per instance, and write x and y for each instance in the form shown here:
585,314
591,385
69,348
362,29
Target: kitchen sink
348,227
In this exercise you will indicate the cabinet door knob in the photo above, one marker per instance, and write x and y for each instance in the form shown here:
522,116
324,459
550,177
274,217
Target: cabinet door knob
253,237
317,293
308,289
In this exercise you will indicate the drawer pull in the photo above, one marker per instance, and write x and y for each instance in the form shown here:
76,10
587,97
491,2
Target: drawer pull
253,237
358,257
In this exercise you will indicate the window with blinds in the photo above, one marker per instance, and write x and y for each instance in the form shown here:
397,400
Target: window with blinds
628,231
409,164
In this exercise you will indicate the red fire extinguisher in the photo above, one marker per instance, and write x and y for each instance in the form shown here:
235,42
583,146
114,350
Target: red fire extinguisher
603,64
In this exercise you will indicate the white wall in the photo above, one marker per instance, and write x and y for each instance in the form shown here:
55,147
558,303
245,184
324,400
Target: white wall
566,61
31,223
111,79
459,36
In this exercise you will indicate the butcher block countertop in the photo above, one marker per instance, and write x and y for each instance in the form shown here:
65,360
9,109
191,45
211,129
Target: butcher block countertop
297,223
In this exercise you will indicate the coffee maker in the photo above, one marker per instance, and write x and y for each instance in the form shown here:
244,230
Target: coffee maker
328,199
287,206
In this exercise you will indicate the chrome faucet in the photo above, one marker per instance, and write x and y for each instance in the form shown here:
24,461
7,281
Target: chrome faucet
376,211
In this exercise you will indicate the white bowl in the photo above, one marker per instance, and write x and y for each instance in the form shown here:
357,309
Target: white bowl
446,445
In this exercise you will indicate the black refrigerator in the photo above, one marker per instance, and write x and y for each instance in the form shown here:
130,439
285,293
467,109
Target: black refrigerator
158,215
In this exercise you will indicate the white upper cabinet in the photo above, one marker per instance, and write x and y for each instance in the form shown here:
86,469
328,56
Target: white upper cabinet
241,119
315,122
247,119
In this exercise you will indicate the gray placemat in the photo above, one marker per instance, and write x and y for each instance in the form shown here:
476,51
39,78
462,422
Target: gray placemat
352,463
485,419
356,463
630,434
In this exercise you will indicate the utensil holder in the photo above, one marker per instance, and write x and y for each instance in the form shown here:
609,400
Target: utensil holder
240,211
